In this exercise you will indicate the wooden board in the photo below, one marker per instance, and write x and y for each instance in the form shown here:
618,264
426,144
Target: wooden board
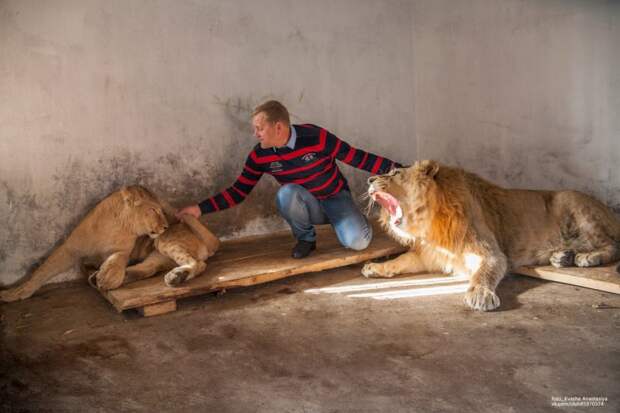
251,261
157,309
604,278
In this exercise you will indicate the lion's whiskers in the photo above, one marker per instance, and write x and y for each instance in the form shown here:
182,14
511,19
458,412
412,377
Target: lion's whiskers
371,203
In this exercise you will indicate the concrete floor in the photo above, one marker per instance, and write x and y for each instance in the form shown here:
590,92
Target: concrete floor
277,348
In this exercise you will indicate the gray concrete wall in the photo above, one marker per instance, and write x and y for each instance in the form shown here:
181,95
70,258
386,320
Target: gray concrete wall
97,94
526,93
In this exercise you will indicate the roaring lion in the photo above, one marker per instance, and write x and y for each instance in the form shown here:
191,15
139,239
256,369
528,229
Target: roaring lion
456,222
122,228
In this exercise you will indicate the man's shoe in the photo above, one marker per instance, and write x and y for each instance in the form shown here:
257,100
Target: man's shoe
303,248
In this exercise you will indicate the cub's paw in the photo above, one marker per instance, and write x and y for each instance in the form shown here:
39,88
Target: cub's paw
481,298
587,259
372,270
565,258
176,276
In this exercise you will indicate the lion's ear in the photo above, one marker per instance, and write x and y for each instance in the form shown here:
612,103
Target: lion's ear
430,168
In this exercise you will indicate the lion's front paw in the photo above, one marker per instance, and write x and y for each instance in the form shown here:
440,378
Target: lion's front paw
481,298
587,260
372,270
176,276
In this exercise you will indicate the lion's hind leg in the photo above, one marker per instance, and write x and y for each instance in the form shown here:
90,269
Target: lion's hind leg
594,246
562,258
601,256
590,228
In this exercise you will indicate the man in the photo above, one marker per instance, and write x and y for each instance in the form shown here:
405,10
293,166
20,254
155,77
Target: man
302,158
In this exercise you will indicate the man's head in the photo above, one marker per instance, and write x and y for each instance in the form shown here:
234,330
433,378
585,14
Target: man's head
271,124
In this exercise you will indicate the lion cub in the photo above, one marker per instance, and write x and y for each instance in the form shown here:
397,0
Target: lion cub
181,250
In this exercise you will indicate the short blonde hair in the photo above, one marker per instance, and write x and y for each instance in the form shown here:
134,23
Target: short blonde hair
274,112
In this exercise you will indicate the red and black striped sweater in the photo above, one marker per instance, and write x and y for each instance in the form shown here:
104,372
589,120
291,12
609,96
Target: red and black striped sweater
311,164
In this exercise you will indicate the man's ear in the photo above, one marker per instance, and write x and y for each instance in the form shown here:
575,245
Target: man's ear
279,126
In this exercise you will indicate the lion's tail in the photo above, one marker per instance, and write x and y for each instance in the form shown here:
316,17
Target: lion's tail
60,260
202,232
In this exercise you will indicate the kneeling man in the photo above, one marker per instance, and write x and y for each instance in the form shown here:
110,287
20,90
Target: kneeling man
302,158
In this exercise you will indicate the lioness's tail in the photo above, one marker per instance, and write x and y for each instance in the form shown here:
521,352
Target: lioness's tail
60,260
202,232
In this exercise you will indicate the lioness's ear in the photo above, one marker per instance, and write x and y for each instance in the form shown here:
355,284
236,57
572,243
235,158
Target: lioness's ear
129,198
429,168
126,195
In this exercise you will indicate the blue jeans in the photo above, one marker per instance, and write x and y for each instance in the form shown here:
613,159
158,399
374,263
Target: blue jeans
302,211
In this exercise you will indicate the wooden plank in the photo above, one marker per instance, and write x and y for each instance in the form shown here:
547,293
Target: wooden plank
158,309
251,261
604,278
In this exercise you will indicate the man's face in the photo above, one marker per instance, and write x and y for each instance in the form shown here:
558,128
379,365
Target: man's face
268,134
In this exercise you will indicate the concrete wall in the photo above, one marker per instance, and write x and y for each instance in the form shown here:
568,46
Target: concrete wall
97,94
526,93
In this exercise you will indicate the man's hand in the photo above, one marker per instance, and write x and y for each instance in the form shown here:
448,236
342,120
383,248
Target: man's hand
193,210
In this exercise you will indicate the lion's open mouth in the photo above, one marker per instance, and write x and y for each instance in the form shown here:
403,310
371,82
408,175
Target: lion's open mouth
391,205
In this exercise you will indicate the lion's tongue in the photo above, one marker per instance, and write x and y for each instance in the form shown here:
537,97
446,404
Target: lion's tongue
387,201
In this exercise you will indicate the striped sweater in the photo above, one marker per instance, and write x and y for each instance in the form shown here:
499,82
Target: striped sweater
311,164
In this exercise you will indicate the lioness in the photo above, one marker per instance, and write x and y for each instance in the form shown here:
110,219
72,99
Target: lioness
456,222
120,228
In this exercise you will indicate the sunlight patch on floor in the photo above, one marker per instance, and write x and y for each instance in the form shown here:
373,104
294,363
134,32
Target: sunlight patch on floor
402,287
413,292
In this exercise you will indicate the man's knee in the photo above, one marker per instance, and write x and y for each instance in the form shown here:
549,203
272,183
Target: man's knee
286,198
356,237
359,244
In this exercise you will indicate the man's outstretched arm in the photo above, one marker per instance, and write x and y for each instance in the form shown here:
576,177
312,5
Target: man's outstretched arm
358,158
230,196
